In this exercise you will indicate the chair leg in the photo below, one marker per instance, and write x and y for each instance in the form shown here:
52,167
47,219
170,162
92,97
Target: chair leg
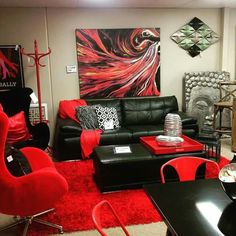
44,212
18,222
214,117
220,119
30,219
26,228
59,227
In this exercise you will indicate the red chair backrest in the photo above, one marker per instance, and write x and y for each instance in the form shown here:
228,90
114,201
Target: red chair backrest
96,216
186,167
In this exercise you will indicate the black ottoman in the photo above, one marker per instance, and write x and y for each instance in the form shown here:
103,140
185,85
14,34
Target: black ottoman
129,170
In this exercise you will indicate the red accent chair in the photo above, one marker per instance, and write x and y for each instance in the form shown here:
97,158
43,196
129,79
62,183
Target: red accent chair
96,216
186,167
30,195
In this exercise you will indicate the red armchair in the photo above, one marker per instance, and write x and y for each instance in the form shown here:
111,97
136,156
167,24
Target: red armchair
33,194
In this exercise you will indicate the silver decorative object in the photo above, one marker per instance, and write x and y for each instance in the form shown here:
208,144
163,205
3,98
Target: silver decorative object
195,37
227,177
163,140
201,91
173,125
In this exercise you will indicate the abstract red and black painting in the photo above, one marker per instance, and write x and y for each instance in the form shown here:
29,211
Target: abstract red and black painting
11,68
118,62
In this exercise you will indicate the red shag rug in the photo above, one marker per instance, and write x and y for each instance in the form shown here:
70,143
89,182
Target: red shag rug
73,212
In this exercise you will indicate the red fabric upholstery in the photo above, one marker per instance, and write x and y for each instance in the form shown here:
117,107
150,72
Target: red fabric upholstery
89,139
17,130
67,108
31,193
187,166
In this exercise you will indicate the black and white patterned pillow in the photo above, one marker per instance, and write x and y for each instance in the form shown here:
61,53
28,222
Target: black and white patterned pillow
105,114
87,116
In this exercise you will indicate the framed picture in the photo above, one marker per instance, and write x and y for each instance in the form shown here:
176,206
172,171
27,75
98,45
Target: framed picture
11,68
34,113
116,63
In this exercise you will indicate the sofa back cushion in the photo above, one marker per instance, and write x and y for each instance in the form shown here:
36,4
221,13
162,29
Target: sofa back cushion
148,110
108,102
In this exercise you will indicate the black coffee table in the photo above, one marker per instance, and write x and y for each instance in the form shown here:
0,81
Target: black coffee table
129,170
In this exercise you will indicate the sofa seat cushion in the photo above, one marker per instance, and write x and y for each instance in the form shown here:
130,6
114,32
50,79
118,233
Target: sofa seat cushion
145,130
117,136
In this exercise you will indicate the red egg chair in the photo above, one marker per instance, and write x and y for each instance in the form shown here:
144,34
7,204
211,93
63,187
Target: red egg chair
31,195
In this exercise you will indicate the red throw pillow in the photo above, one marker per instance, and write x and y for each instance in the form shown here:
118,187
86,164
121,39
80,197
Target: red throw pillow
67,108
17,130
1,108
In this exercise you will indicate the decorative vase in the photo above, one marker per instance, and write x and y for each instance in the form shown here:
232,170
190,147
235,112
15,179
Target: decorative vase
173,125
227,177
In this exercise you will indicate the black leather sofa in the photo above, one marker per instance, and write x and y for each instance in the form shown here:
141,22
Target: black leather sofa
142,116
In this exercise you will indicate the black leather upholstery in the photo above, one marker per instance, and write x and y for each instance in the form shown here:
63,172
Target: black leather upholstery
138,117
141,111
16,100
117,136
131,170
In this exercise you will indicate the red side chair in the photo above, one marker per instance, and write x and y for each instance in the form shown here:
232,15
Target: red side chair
30,195
187,166
96,216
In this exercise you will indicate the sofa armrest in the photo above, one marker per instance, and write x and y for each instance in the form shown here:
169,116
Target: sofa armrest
68,126
186,119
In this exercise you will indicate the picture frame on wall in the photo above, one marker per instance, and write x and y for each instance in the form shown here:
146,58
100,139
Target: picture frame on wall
11,67
117,63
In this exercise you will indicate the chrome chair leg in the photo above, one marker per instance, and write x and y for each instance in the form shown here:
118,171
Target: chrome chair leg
29,220
26,228
43,212
13,224
59,227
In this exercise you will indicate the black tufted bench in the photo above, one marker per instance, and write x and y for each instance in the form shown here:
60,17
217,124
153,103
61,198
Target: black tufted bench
129,170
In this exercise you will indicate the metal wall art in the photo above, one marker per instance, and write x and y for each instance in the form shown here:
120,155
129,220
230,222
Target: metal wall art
118,62
201,91
195,37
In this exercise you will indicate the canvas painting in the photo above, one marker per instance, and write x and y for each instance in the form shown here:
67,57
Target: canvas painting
11,71
116,63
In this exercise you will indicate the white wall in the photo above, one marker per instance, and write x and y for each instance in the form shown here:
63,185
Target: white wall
174,60
231,43
22,26
55,27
